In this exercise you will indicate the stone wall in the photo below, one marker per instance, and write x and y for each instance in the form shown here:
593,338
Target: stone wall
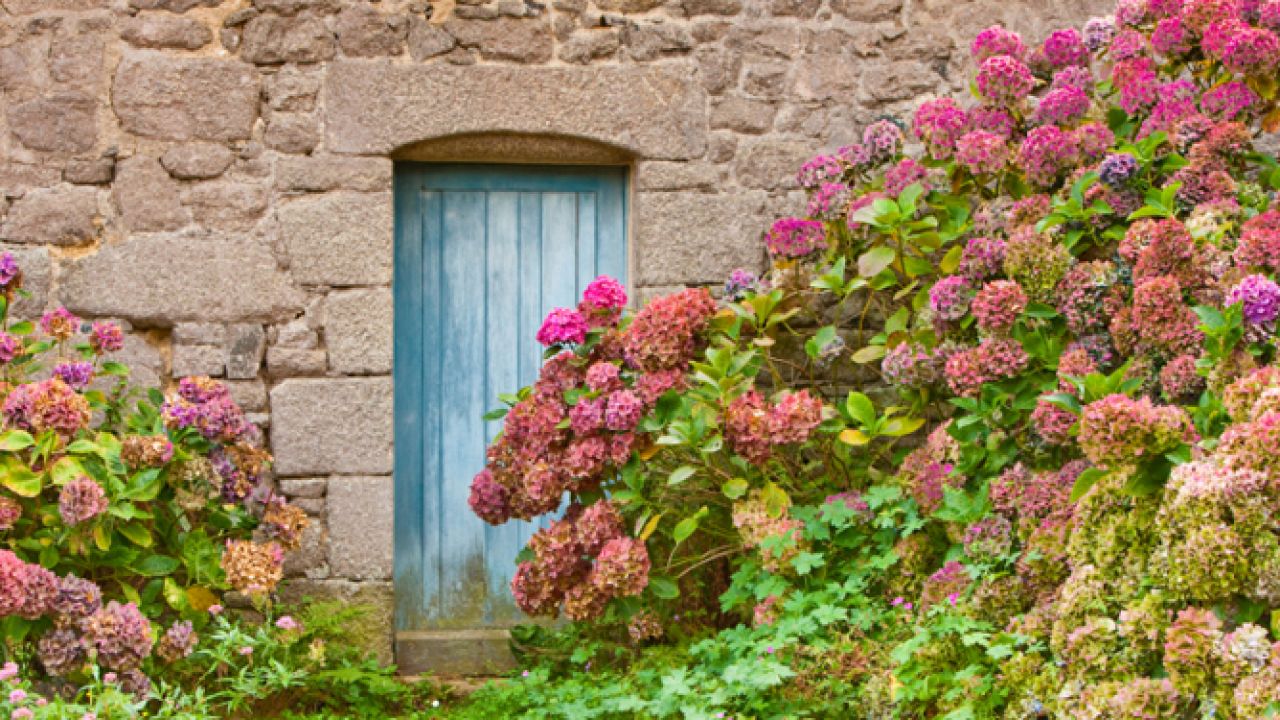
217,173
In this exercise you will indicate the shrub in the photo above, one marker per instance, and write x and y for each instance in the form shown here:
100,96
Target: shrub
122,518
1074,279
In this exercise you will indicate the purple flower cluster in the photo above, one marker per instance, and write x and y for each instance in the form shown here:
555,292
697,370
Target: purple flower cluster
1118,169
75,374
1260,298
206,405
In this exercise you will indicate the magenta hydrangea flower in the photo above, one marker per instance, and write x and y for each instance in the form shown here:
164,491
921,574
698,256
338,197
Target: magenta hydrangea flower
26,590
10,347
793,238
983,257
1252,51
1128,44
1269,15
998,305
605,293
1047,153
1066,47
489,499
828,201
1004,80
81,500
563,326
903,175
823,168
883,139
1170,38
206,405
949,297
939,123
1076,77
604,377
1094,139
993,360
106,337
624,411
1260,297
982,152
1062,106
9,271
1136,82
996,40
856,156
1228,100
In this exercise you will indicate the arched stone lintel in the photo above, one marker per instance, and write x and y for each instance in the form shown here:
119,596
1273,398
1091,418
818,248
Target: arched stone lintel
514,148
376,107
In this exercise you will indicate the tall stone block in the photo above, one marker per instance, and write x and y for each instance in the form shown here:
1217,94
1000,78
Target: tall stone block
358,329
339,425
361,528
339,238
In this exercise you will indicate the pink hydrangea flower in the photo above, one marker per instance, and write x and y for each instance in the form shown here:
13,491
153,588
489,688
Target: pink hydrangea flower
563,326
793,238
996,40
1004,80
983,153
882,140
1066,47
949,297
939,123
81,500
605,293
1063,106
1047,153
1252,51
998,305
106,337
60,323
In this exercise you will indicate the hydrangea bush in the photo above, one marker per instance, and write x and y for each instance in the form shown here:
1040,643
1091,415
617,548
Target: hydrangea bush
123,519
1062,504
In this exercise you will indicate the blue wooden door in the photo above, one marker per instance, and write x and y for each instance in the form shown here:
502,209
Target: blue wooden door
483,252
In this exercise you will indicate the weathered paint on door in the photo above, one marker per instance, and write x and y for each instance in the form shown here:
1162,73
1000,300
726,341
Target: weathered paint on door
482,253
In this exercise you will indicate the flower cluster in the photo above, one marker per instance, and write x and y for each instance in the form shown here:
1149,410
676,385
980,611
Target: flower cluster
791,238
253,568
754,427
580,563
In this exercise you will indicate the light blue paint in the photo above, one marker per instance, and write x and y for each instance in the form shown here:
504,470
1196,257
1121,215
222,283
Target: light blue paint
483,252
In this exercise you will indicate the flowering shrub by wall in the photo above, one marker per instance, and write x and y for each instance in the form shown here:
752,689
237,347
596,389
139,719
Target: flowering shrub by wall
1076,276
122,519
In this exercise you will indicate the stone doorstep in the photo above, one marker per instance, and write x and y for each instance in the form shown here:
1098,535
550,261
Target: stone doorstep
483,652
